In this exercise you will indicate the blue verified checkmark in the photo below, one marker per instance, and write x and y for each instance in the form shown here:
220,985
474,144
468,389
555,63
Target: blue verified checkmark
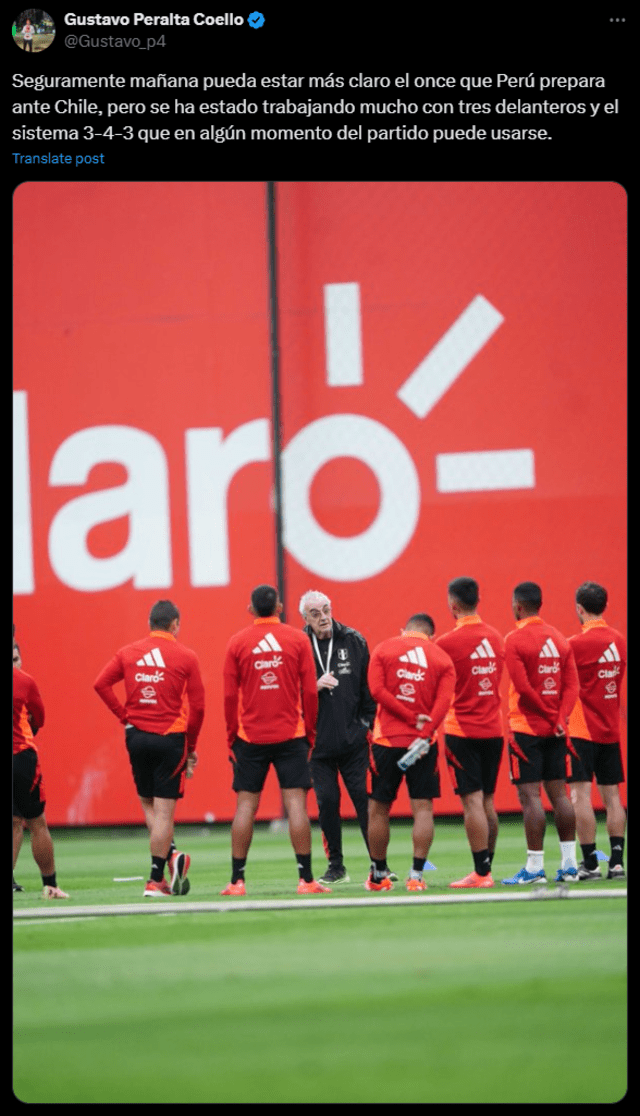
256,19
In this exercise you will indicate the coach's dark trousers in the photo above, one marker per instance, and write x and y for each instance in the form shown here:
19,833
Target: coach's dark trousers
352,766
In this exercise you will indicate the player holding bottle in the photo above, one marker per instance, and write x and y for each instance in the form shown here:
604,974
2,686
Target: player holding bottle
413,681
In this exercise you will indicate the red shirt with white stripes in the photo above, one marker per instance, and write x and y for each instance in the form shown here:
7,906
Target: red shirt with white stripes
601,658
28,711
544,680
408,675
163,686
270,687
477,652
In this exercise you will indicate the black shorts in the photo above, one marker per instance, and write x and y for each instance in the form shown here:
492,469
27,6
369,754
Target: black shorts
251,763
158,763
423,779
473,763
537,759
602,760
29,799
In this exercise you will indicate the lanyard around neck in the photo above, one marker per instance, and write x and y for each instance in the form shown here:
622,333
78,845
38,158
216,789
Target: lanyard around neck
323,668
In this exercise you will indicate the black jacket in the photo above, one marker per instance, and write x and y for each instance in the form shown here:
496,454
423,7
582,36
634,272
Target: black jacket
346,712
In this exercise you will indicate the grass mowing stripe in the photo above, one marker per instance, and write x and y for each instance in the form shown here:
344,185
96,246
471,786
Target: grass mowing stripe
407,1005
389,1004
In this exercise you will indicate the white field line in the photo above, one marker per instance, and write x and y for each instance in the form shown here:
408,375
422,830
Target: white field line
160,906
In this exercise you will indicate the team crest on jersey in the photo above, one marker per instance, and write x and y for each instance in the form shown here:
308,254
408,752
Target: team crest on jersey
269,681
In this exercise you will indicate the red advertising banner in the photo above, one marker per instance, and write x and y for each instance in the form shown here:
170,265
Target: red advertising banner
453,399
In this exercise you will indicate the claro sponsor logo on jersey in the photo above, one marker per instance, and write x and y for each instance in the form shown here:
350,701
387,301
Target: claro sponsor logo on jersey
268,664
157,677
416,675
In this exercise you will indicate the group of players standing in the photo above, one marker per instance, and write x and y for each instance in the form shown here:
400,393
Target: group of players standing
316,705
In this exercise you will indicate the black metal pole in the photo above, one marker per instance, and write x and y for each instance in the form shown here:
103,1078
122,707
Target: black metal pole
281,822
275,392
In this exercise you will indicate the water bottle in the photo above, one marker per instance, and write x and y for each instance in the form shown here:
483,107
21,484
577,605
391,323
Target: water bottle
419,748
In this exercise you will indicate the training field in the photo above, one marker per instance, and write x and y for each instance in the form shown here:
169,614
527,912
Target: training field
520,1000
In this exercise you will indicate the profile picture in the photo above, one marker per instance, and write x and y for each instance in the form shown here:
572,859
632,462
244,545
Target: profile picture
33,30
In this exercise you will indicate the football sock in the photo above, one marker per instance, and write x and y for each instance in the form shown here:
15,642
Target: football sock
49,881
418,865
157,868
589,856
172,849
379,869
617,851
535,861
237,868
568,854
303,861
482,862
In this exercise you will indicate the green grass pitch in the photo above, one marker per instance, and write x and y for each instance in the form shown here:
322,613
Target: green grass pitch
468,1003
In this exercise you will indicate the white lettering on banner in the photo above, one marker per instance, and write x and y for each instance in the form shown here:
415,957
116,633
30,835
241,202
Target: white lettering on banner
212,461
23,579
343,334
366,554
450,356
485,470
144,498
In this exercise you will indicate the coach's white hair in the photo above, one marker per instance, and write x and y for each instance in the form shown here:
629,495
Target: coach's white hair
305,600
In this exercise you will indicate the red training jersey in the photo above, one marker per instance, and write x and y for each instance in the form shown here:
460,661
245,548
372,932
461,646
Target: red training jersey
270,688
544,680
409,675
163,687
601,658
28,711
477,653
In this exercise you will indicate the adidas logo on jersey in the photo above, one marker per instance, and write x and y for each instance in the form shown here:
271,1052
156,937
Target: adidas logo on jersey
549,651
484,650
611,655
269,643
152,658
417,656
